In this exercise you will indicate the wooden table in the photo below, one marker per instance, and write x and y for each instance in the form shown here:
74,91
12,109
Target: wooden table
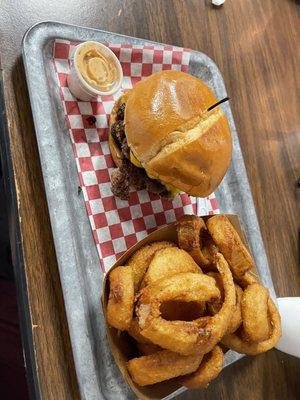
256,46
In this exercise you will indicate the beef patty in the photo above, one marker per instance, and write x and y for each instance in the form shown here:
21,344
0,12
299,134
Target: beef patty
128,174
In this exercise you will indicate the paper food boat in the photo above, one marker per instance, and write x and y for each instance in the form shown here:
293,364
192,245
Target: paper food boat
121,344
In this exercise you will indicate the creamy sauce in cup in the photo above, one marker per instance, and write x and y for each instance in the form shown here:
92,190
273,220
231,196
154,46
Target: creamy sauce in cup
97,69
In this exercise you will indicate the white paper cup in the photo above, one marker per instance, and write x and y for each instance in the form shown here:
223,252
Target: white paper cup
78,85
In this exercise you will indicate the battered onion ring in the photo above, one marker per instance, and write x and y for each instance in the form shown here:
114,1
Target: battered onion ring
254,307
181,310
239,345
214,308
230,244
147,348
140,260
219,323
247,279
121,298
178,336
236,319
190,229
181,336
160,366
135,332
168,262
209,369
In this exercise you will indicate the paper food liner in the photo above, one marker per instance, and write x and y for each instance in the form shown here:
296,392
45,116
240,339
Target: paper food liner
116,224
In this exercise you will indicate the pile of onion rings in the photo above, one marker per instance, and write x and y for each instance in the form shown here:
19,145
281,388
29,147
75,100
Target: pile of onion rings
185,303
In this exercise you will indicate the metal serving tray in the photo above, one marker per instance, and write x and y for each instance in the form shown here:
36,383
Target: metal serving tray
77,258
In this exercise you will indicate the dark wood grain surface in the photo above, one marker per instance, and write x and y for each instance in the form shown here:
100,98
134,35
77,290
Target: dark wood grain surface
256,46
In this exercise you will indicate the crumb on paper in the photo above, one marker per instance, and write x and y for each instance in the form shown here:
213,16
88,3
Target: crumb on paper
218,2
119,12
91,119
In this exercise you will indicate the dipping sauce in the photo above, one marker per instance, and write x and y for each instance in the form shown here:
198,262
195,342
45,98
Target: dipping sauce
97,69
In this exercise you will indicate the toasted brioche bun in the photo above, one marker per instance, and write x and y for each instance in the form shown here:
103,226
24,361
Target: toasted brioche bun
198,158
170,132
160,104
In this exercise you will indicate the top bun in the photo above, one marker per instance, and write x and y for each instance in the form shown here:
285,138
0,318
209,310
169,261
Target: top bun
173,136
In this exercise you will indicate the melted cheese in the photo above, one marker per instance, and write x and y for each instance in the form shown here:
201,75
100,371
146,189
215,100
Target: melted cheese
134,160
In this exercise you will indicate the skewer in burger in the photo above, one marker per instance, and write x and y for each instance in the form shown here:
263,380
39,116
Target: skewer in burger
164,138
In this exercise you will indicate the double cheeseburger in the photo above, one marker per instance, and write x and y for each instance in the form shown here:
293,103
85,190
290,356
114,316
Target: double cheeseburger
162,137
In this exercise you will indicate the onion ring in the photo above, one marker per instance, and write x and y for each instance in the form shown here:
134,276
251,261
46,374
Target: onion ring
236,319
182,336
187,286
214,307
254,307
209,369
160,366
230,244
147,348
178,336
121,298
190,230
247,279
135,332
219,323
182,311
240,345
168,262
140,260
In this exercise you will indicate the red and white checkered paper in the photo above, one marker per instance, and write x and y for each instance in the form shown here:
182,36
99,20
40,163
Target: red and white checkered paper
117,224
